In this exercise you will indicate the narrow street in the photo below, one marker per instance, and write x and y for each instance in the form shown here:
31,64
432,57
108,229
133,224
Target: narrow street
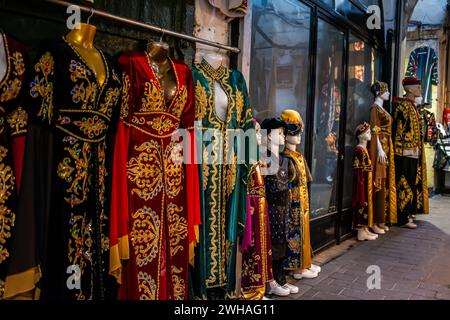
414,264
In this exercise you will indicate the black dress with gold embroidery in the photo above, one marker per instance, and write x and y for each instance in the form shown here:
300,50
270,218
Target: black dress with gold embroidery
70,142
12,124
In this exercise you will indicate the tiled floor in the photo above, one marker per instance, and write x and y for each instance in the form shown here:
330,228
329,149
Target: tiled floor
414,264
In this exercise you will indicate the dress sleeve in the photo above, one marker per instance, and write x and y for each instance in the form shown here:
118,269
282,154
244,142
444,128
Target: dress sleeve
373,146
119,241
28,245
359,189
191,169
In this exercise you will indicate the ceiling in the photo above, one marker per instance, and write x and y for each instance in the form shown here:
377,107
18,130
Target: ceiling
429,12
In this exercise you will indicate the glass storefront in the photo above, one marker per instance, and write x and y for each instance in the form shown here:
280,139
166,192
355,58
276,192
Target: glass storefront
327,110
315,60
280,57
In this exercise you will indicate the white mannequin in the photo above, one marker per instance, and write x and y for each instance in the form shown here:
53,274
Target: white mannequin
364,233
382,157
3,58
292,141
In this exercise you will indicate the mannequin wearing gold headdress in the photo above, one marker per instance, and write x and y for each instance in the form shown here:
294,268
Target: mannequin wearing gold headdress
299,251
381,152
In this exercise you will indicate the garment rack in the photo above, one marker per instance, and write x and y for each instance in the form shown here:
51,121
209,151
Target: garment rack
145,26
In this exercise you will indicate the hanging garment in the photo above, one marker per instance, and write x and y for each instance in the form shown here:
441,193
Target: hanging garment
406,132
385,194
277,193
66,175
362,189
423,64
426,121
13,127
155,200
299,251
256,244
223,187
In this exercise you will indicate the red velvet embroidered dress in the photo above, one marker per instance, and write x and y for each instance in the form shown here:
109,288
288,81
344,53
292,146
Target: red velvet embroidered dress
155,200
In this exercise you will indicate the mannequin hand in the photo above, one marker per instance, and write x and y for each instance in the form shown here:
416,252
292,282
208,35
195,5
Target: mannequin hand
382,158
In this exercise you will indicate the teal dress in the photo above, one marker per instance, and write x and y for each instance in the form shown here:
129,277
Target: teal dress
223,184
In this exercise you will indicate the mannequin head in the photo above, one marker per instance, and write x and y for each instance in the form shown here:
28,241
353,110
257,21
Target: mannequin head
363,133
412,87
381,90
294,126
418,101
257,131
275,131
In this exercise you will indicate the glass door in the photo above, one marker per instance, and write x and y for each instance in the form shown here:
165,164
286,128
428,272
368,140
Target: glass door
327,109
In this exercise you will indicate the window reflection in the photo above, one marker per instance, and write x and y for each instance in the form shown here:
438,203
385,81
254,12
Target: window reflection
363,71
279,59
326,119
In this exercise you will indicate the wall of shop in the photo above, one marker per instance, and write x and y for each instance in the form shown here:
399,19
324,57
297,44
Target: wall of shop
31,22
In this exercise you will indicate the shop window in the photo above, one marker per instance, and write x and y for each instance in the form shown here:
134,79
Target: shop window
279,58
363,70
329,80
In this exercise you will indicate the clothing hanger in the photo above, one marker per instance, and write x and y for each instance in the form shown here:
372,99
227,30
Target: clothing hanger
90,16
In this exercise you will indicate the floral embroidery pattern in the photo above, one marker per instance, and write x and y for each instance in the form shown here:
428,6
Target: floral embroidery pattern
42,86
92,127
405,194
146,170
179,286
7,217
80,93
162,124
180,102
177,228
145,235
125,108
77,162
110,100
17,121
18,63
153,99
147,286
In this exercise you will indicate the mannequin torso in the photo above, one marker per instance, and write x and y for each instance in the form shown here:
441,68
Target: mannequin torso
220,97
158,55
3,62
82,40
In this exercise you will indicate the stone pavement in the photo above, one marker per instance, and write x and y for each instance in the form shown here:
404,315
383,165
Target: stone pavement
414,264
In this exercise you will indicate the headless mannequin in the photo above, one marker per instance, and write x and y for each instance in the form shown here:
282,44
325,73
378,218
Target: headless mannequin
292,141
3,58
82,39
364,233
382,157
220,98
158,53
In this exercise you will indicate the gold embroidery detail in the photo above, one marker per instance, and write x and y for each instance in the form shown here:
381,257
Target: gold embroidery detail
147,286
146,170
79,93
162,124
201,101
7,217
173,169
177,228
125,96
66,168
145,235
17,121
179,286
405,194
42,86
110,100
92,127
11,90
153,99
180,103
19,65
